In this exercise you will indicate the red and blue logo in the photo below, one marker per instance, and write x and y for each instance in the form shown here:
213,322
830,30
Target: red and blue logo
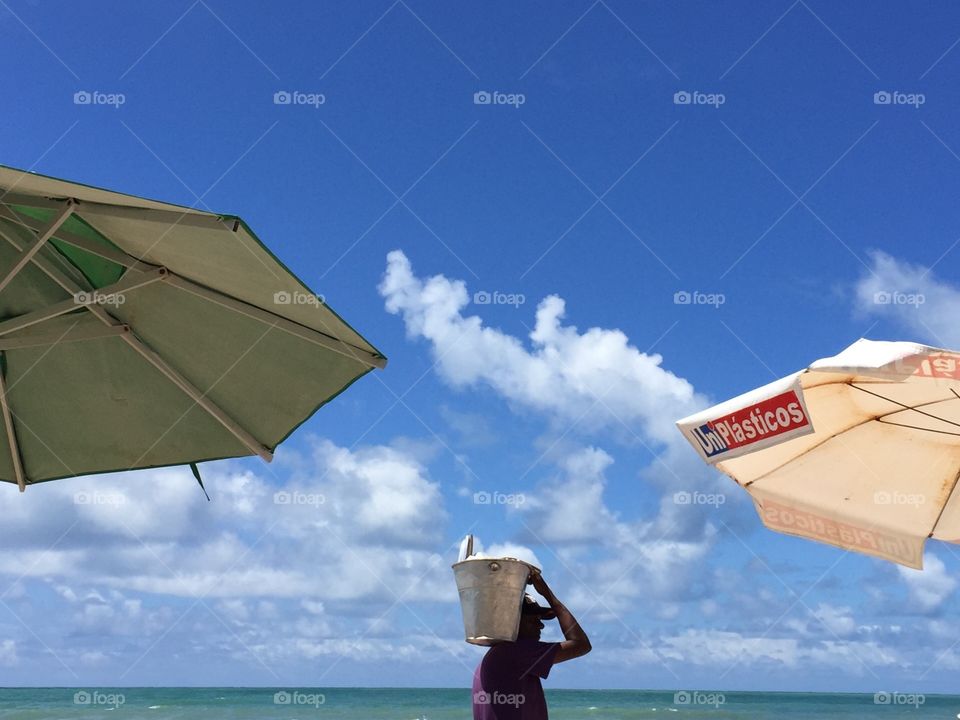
753,424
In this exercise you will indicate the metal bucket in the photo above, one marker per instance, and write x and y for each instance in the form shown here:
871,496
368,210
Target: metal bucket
491,593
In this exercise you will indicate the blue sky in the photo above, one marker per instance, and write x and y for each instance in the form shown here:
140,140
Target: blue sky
587,200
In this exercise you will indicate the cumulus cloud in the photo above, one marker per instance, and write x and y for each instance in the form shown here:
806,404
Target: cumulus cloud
912,297
595,380
616,563
572,509
270,573
594,377
931,587
349,524
8,653
724,649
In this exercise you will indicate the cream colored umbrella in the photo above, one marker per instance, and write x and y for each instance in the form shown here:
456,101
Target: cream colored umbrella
860,450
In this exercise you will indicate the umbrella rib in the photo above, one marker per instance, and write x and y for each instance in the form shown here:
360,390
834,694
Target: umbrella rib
135,343
80,299
808,450
856,425
27,253
191,216
107,253
915,408
944,506
12,437
328,341
325,339
915,427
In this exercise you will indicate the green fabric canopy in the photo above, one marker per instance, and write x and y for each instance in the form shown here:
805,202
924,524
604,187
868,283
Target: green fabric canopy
138,334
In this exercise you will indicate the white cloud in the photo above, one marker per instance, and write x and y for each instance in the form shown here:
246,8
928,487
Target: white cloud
573,510
930,587
913,297
615,563
597,380
595,377
383,491
838,620
355,524
8,653
727,651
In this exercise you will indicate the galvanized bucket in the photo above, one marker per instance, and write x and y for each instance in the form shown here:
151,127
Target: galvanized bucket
491,593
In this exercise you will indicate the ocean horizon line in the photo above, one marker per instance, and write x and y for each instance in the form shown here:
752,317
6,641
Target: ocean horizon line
458,687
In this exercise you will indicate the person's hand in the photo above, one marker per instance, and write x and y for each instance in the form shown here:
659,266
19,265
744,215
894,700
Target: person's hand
540,585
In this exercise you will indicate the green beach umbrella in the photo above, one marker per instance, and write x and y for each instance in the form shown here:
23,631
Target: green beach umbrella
137,334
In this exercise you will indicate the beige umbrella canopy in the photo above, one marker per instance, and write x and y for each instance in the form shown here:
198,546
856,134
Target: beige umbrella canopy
860,450
134,334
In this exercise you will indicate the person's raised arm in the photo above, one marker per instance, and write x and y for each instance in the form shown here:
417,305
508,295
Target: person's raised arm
576,642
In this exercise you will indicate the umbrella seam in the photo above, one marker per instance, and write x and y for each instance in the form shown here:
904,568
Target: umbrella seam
844,430
945,503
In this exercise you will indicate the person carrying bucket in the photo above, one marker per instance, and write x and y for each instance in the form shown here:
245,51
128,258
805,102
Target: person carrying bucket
506,684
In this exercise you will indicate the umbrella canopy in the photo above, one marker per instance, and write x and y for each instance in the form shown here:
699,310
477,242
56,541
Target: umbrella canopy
137,334
860,450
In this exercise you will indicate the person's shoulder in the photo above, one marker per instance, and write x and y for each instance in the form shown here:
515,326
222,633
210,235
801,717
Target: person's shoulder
531,644
530,648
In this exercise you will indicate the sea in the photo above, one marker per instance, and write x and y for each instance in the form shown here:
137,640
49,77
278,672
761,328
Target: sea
451,704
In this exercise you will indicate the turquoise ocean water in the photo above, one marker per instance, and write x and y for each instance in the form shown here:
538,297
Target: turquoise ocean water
447,704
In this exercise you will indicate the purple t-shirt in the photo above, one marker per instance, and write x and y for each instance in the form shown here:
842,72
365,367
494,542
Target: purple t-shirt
506,684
